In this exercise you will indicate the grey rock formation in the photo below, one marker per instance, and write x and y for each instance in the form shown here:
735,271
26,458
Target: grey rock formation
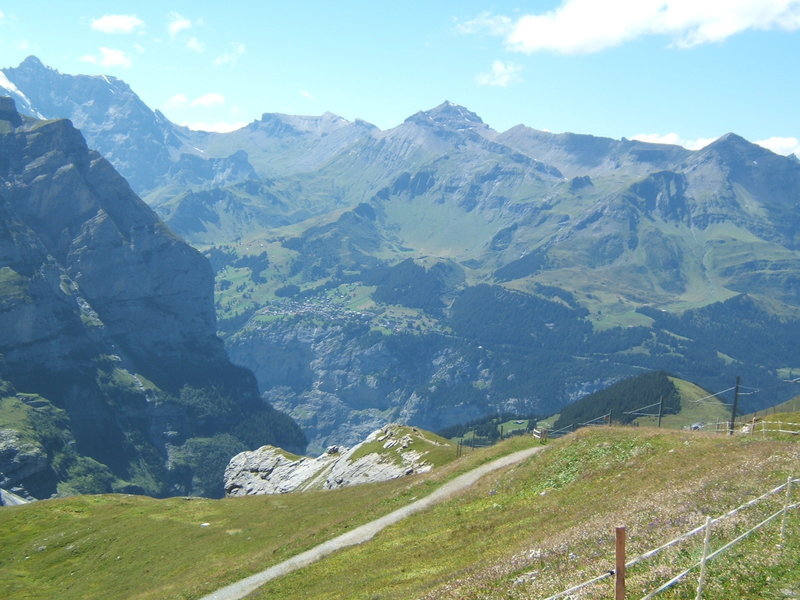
107,329
387,453
19,459
8,498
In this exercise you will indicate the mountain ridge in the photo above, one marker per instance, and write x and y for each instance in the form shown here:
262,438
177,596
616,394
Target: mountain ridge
621,234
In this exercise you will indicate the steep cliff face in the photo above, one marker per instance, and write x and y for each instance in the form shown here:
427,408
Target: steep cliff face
82,220
340,381
108,317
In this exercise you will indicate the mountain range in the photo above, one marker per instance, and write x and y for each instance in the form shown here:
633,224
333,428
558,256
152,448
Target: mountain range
440,270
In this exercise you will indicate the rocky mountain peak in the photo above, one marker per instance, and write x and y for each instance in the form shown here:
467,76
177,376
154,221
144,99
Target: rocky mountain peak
32,62
447,114
282,124
738,155
731,144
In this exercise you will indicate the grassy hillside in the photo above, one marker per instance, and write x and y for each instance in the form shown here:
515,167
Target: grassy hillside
792,405
695,407
119,546
524,532
538,528
684,403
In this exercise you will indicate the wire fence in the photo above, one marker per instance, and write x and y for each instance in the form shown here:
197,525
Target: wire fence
751,427
706,529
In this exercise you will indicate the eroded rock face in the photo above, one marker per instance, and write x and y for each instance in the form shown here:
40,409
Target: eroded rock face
19,460
340,386
109,316
82,221
388,453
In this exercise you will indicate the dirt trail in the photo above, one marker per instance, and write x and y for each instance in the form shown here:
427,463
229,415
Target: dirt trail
365,532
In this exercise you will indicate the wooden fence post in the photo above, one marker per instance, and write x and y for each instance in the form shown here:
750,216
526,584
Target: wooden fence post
706,542
619,569
786,508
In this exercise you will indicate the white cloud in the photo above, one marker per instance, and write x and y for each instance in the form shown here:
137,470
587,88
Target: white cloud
674,139
116,23
220,126
657,138
2,15
208,100
232,56
177,23
177,101
583,26
307,95
782,145
109,57
778,145
485,22
195,45
501,75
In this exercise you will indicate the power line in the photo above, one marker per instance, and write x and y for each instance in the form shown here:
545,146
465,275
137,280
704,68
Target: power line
714,394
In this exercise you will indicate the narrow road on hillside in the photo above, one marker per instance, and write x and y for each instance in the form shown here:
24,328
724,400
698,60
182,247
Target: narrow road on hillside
365,532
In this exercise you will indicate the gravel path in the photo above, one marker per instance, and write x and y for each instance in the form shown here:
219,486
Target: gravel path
365,532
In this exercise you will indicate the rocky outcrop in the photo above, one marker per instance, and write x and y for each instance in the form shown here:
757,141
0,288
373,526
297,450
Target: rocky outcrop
19,459
8,498
388,453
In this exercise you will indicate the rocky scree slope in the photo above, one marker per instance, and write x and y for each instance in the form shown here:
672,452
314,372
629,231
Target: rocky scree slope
111,374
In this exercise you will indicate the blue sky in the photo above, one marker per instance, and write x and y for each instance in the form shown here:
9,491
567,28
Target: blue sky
682,71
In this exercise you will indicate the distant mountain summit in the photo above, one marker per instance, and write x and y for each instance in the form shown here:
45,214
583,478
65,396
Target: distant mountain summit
448,115
142,144
137,140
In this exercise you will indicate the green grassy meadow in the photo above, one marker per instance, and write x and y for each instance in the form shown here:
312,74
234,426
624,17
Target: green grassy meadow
526,531
124,546
540,527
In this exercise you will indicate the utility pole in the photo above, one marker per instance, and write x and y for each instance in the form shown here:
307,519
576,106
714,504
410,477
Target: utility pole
735,405
660,409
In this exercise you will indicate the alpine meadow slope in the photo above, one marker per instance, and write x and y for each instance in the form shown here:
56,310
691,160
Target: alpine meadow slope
440,271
